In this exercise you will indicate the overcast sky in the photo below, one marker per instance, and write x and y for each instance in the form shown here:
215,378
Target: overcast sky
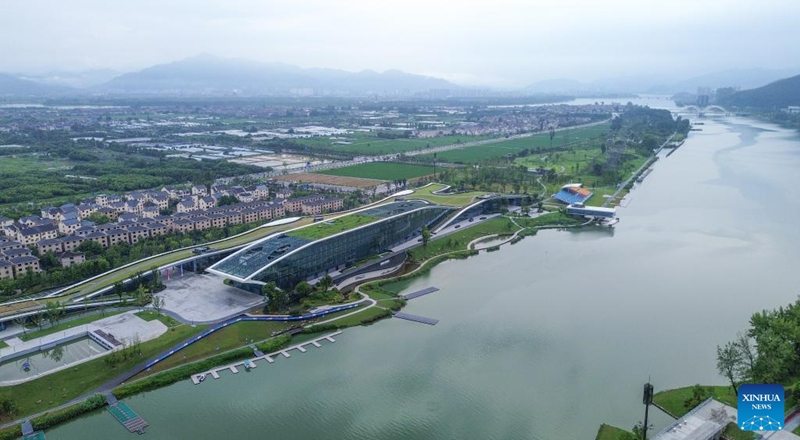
498,42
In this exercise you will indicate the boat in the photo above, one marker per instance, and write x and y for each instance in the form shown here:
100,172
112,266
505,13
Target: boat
201,377
248,364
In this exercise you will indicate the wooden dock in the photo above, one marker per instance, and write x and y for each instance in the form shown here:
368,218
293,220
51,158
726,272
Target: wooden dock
415,318
198,378
419,293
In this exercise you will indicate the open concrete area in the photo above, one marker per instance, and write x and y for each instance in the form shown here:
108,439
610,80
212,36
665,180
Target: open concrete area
203,298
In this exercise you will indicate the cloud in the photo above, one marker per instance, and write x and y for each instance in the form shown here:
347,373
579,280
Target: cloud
504,42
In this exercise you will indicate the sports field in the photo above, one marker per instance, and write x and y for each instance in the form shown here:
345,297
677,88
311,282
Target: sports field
381,171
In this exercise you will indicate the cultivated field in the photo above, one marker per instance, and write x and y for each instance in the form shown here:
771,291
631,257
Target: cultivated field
370,144
540,141
354,182
382,171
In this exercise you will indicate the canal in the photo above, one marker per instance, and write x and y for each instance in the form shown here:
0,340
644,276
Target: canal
547,338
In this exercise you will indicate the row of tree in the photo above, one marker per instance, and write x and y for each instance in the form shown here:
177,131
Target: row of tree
767,352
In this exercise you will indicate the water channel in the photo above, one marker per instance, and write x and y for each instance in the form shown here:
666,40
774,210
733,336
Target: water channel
547,338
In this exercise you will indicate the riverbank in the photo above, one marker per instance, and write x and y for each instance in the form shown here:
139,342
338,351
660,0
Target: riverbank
225,345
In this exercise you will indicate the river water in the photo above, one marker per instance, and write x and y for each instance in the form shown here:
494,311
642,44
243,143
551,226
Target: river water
545,339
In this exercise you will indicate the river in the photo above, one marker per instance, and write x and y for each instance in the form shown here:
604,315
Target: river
545,339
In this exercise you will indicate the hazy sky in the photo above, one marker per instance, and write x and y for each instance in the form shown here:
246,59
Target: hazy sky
494,42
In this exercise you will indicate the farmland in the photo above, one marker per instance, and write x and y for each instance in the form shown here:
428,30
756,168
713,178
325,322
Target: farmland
381,171
370,144
537,142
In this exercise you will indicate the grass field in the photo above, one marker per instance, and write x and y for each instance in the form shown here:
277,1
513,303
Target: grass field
381,171
461,199
608,432
459,240
370,144
59,388
234,336
331,227
536,142
28,163
77,322
673,400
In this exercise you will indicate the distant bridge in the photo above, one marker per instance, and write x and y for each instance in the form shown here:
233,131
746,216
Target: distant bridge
716,109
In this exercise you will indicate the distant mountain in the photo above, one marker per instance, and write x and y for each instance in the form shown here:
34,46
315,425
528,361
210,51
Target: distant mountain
207,74
556,85
76,79
741,78
778,94
13,86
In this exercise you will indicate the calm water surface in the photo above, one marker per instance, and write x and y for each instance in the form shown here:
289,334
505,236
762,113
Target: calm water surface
544,339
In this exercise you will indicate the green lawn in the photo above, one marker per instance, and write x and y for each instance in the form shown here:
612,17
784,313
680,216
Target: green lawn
461,199
371,145
334,226
381,171
608,432
358,317
149,315
553,218
673,400
59,388
28,163
459,240
77,322
734,433
230,337
3,344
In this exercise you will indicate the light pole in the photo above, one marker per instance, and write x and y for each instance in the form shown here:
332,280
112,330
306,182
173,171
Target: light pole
647,399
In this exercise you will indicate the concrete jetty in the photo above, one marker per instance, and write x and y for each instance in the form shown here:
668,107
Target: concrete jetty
199,378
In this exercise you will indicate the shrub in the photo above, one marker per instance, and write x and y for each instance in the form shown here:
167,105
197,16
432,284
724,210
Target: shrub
53,418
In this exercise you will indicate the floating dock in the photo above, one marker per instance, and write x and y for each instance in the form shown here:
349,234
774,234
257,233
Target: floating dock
646,172
198,378
29,434
129,419
419,293
415,318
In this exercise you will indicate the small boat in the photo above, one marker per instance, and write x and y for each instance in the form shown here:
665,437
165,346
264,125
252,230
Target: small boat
201,377
26,366
248,364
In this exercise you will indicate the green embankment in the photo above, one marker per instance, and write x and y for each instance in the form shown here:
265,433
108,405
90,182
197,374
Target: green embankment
674,401
608,432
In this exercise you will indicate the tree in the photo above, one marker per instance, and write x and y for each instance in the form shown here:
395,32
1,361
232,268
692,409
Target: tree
7,406
158,303
275,296
141,296
119,290
227,200
55,309
303,289
98,218
426,236
90,248
325,283
729,364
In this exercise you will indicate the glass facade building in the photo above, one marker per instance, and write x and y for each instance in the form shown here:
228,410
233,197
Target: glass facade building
300,261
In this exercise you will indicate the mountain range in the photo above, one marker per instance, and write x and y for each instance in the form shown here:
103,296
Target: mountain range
778,94
208,75
213,75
